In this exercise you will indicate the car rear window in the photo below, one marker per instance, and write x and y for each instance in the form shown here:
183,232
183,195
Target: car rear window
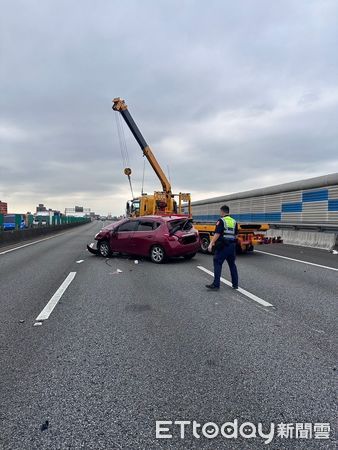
180,224
147,225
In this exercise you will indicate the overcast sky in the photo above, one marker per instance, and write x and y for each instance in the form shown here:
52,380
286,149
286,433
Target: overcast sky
229,95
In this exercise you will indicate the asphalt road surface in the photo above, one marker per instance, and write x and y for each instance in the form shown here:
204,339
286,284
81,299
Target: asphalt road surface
129,344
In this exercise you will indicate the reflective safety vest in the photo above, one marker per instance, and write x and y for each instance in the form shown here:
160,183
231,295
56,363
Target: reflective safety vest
229,227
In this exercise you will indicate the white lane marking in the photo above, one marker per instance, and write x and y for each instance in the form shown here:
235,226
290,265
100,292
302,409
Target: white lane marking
241,290
31,243
297,260
79,261
37,324
47,310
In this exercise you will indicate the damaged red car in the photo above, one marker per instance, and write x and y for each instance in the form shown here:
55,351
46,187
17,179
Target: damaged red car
156,237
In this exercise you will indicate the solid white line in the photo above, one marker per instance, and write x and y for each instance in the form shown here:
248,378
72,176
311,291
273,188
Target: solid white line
47,310
241,290
298,260
31,243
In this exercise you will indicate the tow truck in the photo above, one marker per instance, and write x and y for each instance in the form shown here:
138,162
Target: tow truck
164,203
248,236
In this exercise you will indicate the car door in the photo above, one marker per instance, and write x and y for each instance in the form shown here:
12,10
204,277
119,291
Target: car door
121,238
144,236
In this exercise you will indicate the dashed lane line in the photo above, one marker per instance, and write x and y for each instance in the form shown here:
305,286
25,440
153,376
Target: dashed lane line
47,310
248,294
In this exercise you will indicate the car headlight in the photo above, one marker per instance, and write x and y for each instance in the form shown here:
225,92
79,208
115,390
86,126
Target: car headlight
97,234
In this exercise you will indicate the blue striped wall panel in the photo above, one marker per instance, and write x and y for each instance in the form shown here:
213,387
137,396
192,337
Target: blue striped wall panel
273,217
333,205
316,196
319,203
292,207
253,217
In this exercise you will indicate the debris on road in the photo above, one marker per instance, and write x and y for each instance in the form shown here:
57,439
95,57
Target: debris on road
44,426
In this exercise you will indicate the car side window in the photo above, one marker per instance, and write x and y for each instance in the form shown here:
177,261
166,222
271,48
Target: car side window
146,226
131,225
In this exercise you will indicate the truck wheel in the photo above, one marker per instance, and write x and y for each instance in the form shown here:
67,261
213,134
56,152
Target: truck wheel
205,241
103,248
157,254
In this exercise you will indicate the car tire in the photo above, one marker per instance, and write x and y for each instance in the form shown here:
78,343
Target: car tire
190,256
157,254
103,248
205,241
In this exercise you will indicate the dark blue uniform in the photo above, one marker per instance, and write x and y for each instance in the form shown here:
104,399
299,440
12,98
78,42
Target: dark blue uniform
225,250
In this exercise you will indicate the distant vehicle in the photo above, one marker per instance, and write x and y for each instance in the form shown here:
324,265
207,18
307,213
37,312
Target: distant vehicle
157,237
43,220
9,222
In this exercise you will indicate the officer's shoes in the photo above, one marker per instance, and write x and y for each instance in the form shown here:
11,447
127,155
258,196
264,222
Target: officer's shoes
234,287
212,287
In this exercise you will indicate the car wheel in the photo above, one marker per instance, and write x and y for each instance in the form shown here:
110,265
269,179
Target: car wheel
157,254
190,256
104,250
205,241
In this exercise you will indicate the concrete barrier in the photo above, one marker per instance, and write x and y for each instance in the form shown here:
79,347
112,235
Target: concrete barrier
315,239
14,236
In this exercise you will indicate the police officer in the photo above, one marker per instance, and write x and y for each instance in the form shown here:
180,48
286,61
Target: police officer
224,241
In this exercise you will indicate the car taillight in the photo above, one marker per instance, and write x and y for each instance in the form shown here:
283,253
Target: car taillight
171,237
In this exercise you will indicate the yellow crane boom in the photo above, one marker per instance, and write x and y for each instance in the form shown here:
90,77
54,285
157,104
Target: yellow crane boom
161,202
120,106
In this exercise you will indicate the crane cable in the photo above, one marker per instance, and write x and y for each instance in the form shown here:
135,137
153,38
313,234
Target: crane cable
122,141
124,150
144,169
131,187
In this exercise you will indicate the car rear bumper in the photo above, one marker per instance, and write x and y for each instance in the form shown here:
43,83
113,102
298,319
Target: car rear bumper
177,249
